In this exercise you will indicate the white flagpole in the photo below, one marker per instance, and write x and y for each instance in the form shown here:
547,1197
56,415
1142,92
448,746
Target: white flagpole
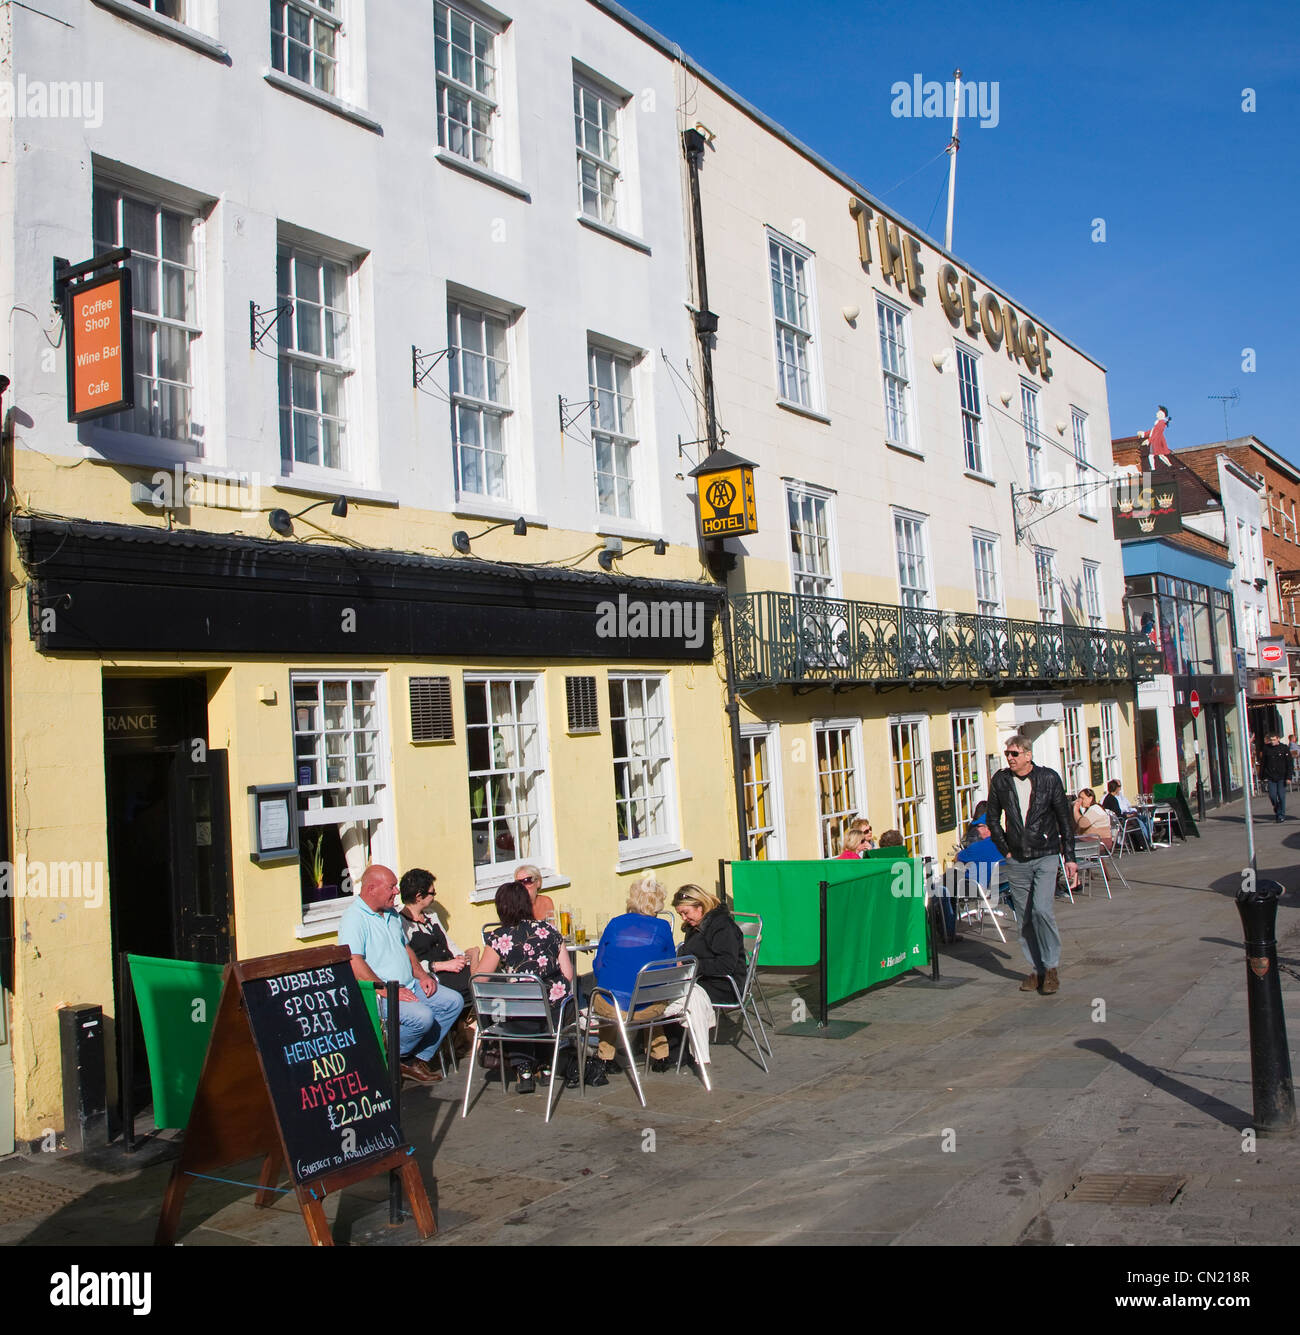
953,146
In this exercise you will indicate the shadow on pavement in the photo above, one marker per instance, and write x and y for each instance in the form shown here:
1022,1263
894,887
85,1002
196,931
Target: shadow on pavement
985,955
1158,1079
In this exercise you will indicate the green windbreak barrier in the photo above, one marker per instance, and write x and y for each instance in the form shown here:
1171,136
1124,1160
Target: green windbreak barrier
875,917
176,1028
1174,795
177,1002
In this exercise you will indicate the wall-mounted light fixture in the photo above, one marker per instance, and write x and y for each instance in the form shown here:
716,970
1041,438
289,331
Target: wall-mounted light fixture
281,521
614,550
461,540
941,359
851,313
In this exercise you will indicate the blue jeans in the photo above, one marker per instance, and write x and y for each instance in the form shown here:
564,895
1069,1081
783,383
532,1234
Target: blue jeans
1033,898
424,1022
1277,795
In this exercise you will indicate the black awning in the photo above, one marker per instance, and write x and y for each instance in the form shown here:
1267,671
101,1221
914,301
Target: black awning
119,588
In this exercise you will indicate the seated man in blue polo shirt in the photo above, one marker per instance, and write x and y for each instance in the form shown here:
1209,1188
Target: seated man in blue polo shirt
982,859
372,931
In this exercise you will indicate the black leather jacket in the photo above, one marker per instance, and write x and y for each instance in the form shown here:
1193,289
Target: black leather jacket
1050,827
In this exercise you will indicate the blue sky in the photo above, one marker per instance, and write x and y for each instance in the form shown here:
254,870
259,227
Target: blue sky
1129,113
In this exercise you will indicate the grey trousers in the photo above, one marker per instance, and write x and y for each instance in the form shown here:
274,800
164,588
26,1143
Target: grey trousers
1033,898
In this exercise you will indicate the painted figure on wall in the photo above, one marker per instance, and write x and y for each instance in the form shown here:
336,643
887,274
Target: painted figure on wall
1157,446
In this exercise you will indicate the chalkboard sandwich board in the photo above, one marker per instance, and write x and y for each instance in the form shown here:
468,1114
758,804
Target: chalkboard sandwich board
294,1074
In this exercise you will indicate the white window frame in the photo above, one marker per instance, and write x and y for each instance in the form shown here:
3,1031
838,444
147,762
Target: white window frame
614,429
1092,606
968,795
380,809
328,16
489,875
659,768
906,561
893,328
319,365
1051,586
788,334
1075,758
470,406
1110,740
1083,471
803,577
1030,421
768,735
149,380
447,85
923,802
984,605
970,396
604,206
855,796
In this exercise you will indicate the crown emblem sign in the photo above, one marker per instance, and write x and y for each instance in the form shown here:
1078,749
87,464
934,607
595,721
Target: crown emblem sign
1146,525
1165,500
1126,507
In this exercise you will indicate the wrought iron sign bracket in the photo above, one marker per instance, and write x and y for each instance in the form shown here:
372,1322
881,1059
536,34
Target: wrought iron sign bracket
261,321
570,411
424,362
65,274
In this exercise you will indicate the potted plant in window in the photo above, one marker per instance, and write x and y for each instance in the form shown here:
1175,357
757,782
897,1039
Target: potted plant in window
316,872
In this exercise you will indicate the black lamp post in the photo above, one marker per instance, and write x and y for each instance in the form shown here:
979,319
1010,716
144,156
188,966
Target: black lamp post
1270,1059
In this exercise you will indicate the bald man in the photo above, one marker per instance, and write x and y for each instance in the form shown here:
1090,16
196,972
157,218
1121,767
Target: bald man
372,930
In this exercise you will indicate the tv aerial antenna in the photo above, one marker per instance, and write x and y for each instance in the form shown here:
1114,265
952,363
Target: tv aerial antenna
1226,399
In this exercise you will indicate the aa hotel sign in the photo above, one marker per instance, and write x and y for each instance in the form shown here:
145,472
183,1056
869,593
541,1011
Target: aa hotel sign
982,314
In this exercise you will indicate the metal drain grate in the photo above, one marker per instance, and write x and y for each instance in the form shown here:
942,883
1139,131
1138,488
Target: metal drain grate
21,1195
1126,1188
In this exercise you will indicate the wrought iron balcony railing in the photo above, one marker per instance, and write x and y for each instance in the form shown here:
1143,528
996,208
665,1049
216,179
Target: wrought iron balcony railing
788,638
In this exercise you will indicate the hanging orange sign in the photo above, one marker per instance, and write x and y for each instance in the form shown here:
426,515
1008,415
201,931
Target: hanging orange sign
97,324
727,503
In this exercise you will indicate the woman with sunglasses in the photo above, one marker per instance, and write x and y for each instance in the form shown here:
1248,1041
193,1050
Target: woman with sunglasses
543,905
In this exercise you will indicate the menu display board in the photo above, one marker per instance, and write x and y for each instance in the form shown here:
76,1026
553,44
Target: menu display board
945,794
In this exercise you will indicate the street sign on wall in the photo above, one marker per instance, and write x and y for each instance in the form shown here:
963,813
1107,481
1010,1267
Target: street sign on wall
97,327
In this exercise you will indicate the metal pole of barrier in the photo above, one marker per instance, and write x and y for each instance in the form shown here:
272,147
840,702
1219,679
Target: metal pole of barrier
822,1005
1270,1060
126,1044
722,881
393,1027
930,943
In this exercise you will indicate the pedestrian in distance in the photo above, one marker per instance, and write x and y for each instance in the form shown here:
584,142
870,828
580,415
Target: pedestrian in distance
1031,823
1276,768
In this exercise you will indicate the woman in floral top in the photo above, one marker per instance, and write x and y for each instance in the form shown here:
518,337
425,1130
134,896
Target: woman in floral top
524,945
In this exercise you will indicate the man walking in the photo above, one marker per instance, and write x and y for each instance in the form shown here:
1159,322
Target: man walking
1276,768
1030,822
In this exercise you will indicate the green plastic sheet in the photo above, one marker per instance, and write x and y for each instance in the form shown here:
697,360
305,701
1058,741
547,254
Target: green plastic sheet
875,917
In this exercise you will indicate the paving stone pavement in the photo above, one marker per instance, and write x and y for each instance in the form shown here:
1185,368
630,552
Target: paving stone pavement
958,1114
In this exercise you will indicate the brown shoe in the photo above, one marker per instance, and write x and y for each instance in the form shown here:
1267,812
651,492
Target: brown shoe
1051,983
1030,984
420,1071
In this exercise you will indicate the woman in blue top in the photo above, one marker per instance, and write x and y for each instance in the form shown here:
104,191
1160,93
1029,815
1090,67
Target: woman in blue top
631,940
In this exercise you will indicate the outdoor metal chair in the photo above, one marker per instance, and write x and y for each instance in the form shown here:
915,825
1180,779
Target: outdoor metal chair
1088,857
745,1003
488,929
966,888
667,981
502,999
1123,829
1169,814
751,928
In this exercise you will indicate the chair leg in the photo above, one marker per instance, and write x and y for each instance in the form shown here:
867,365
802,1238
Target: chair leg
762,996
469,1075
744,1015
555,1076
631,1059
767,1042
503,1068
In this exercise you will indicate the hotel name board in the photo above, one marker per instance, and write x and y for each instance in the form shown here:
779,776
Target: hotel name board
981,314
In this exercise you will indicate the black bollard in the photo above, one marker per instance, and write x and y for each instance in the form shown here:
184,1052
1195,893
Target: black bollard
1270,1060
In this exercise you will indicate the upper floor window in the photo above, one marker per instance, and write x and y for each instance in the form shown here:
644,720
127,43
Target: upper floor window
1033,441
1092,593
465,56
895,360
305,40
169,9
1049,607
1074,770
480,400
792,306
1082,465
988,580
610,378
596,117
164,287
644,793
1109,740
315,360
812,542
972,422
913,565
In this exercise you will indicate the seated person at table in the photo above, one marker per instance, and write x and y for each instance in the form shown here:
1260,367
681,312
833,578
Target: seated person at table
1090,820
976,821
424,934
631,941
373,932
851,846
863,826
523,945
893,839
710,934
1118,805
531,879
982,858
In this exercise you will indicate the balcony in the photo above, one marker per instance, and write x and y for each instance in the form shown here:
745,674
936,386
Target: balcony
784,639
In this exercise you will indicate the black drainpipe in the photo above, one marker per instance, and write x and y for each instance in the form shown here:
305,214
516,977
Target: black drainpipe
719,560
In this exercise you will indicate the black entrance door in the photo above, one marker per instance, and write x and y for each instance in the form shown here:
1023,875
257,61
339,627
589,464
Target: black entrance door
200,844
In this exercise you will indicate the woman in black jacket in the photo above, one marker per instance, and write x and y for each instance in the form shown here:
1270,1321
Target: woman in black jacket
711,935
